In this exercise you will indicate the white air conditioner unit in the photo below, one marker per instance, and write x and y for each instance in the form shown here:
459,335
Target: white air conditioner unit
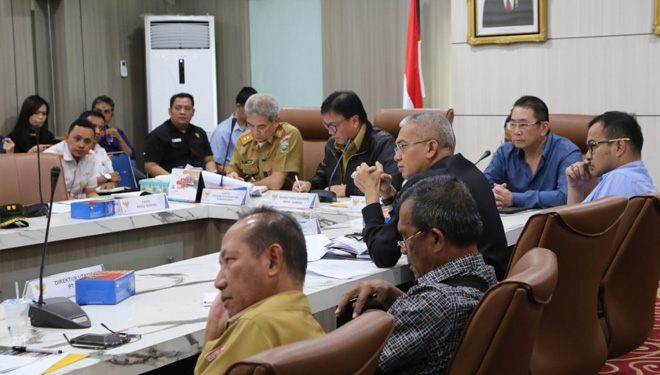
181,58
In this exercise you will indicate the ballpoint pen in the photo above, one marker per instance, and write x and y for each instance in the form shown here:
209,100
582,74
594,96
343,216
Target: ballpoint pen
35,350
298,182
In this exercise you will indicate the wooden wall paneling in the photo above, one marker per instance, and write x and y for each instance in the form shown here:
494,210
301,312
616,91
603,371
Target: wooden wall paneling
364,45
436,52
8,101
23,49
232,39
68,61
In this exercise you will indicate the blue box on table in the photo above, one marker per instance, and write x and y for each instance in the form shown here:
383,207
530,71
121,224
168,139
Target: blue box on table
93,209
105,287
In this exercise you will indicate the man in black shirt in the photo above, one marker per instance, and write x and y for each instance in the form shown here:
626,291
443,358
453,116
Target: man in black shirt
177,142
424,147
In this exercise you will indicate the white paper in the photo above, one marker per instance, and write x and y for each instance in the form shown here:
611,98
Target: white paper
60,208
59,285
341,269
208,298
289,199
145,203
227,197
316,246
352,246
213,180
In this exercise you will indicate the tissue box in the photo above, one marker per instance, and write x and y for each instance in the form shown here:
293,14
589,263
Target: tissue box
93,209
105,287
154,186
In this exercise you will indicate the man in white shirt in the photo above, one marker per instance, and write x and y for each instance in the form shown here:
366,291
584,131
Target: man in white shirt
106,177
79,167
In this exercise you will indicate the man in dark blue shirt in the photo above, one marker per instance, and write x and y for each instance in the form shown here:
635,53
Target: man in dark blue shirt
529,171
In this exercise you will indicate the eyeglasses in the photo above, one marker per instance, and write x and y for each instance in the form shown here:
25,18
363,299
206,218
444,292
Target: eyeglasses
592,144
402,244
522,125
400,146
332,127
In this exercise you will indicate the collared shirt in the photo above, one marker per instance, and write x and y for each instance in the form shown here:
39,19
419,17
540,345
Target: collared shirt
221,144
430,318
627,180
548,186
103,163
170,148
277,320
282,152
111,144
78,175
352,149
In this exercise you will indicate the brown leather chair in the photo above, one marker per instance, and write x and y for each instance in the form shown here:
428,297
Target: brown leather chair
309,121
19,182
353,348
570,339
500,334
389,119
630,285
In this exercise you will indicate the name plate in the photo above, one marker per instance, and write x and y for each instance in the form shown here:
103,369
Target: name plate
230,197
289,199
60,285
310,226
143,203
357,203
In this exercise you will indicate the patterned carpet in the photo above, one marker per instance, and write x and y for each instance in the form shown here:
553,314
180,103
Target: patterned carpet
643,360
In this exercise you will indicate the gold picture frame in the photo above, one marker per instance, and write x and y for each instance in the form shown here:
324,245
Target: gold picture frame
656,19
496,22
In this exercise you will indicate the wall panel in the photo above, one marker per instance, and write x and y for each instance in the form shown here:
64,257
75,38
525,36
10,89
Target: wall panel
8,100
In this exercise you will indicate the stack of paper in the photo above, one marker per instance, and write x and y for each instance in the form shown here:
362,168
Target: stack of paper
213,180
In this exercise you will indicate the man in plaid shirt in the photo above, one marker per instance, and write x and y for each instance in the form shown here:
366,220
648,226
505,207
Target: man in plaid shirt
440,226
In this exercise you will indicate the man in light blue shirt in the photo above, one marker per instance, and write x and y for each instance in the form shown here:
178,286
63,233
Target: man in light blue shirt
225,135
529,170
614,153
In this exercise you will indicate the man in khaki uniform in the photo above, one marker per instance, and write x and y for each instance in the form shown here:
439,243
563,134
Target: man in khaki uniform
270,152
261,305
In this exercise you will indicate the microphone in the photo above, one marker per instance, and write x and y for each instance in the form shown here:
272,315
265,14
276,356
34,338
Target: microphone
58,312
233,123
329,195
485,155
37,209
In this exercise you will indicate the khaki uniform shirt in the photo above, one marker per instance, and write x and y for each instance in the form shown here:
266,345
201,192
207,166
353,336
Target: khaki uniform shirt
282,152
275,321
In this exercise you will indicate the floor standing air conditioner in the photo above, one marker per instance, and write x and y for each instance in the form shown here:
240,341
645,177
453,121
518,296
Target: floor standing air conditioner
181,58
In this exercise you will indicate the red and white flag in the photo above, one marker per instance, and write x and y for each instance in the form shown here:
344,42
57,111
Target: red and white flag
413,83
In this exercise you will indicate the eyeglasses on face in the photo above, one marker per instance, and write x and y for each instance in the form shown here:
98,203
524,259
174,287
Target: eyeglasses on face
520,125
592,144
332,126
400,146
403,243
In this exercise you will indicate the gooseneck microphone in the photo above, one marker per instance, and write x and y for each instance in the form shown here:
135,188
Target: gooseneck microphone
485,155
329,195
37,209
58,312
224,172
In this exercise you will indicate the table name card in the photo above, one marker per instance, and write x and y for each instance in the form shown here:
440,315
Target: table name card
231,197
356,203
59,285
144,203
289,199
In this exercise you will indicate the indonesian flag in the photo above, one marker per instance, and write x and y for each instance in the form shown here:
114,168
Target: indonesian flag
413,83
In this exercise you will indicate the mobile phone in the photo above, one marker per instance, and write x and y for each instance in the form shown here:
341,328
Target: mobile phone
97,341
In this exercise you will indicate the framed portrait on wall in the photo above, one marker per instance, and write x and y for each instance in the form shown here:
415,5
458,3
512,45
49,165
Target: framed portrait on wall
656,19
506,21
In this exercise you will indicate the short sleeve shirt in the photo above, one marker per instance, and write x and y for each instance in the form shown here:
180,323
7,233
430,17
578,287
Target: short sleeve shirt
170,148
78,175
103,163
282,152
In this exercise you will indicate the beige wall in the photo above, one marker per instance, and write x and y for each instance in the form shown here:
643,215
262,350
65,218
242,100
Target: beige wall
600,56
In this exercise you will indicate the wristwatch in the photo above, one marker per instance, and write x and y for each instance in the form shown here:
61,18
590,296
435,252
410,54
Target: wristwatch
108,177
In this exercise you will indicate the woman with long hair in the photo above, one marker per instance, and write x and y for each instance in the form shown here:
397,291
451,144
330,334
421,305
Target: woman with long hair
34,112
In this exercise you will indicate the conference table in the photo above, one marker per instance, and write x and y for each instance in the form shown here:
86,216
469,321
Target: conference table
168,309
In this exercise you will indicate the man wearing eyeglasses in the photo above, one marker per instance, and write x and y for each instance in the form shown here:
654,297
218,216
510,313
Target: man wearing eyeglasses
424,148
353,136
270,152
529,171
440,225
614,153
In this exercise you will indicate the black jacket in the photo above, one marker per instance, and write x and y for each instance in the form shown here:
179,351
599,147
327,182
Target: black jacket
378,145
381,237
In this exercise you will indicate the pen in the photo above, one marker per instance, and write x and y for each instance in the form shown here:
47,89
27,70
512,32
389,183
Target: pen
354,299
298,182
35,350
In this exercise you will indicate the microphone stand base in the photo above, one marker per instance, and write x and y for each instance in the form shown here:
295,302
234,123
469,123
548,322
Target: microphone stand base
325,196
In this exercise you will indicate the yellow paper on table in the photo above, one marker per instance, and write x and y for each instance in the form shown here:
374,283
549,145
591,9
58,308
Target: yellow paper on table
339,204
69,359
